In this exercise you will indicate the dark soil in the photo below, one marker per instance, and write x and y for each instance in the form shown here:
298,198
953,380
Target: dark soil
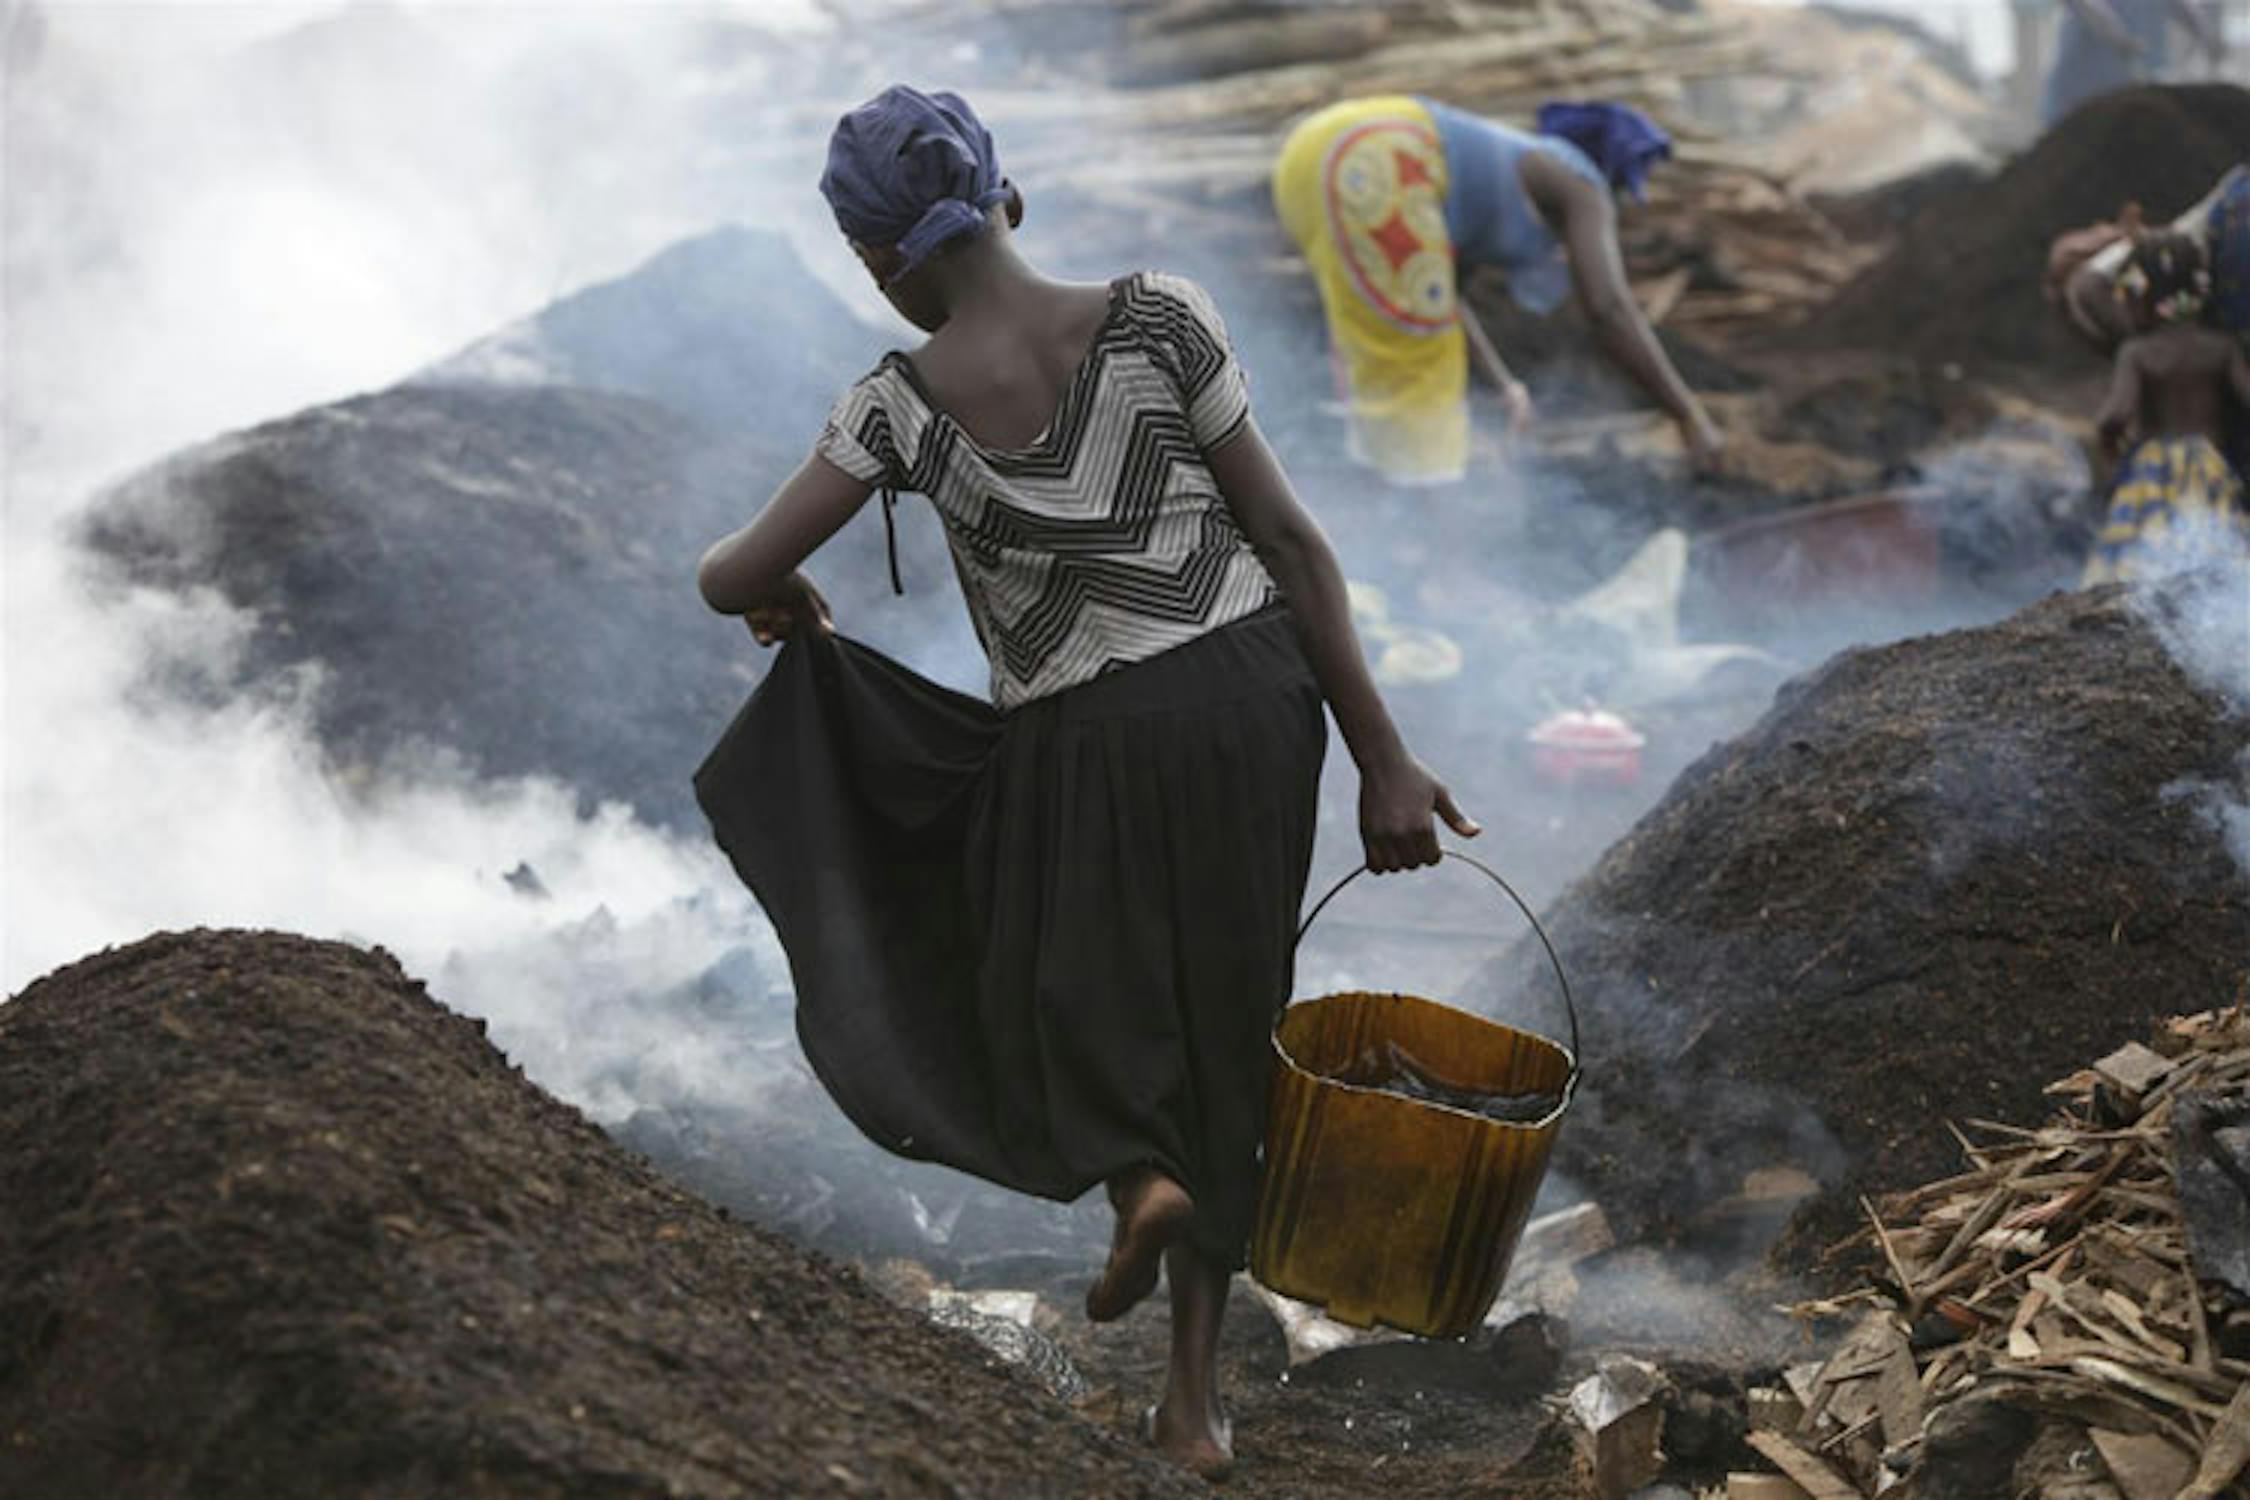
279,1223
1420,1429
1963,282
1934,876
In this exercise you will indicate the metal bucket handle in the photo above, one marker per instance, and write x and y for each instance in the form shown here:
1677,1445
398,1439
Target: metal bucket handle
1570,1085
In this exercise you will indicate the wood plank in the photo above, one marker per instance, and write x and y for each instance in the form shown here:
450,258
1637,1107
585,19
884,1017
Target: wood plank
1898,1393
2171,1393
1816,1477
1747,1486
1773,1409
2143,1465
2227,1452
2134,1068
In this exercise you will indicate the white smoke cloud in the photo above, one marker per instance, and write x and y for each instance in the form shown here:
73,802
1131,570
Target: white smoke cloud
127,811
2204,621
213,218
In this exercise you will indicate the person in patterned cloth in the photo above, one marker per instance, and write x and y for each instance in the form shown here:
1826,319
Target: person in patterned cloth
2177,502
1393,199
1044,939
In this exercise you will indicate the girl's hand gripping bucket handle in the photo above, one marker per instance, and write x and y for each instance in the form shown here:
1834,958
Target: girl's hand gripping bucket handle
1570,1009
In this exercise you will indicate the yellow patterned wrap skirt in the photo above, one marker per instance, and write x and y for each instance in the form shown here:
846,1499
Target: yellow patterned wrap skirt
2177,504
1360,187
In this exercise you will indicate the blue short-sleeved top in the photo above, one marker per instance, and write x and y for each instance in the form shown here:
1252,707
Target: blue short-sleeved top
1491,219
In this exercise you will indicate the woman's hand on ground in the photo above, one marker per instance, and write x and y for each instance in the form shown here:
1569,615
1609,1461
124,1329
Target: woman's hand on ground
799,604
1706,447
1515,400
1399,805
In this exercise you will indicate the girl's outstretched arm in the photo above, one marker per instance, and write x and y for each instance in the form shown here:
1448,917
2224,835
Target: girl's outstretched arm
753,572
1397,793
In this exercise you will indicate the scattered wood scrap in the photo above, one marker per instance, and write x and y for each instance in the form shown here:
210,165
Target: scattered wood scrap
2057,1275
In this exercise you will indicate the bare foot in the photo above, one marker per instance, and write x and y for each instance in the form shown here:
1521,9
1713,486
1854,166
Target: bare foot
1152,1210
1204,1448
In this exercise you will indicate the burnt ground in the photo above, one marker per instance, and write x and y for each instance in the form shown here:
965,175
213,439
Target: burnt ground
280,1223
1935,875
1479,1417
1427,1429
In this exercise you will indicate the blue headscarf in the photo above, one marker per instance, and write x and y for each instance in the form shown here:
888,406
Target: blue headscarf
911,170
1618,138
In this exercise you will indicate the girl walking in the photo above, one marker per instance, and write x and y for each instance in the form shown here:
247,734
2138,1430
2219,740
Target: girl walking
1044,939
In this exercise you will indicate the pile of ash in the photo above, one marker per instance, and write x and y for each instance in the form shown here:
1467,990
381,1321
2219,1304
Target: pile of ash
1934,875
278,1222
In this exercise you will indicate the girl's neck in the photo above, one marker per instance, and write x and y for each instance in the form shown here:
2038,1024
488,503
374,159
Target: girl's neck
988,278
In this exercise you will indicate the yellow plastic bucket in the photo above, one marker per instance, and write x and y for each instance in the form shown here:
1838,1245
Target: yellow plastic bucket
1404,1208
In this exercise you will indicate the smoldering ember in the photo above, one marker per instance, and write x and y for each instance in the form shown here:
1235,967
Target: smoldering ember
1760,487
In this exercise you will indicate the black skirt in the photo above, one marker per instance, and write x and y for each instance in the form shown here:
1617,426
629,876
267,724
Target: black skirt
1045,946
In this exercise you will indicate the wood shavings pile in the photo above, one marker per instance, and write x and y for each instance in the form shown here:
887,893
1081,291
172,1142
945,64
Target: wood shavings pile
2062,1278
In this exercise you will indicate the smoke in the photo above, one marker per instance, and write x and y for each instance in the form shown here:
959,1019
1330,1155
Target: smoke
212,221
219,214
128,811
2203,619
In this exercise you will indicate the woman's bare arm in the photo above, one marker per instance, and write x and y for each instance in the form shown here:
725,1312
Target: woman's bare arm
1397,793
1597,268
1481,352
1513,396
754,571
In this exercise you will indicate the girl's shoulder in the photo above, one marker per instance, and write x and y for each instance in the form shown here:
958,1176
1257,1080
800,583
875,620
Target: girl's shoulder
1164,286
1173,307
890,386
1181,323
876,423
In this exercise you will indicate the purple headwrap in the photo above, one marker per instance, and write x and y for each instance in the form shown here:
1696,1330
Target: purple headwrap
1618,138
911,170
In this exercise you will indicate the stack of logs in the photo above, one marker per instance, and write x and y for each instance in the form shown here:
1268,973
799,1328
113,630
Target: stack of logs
1189,100
2057,1294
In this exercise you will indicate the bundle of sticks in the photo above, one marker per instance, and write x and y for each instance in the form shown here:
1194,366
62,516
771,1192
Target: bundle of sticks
1266,59
2061,1276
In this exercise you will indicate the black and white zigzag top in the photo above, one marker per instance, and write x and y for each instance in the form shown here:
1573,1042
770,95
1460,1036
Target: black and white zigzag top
1104,542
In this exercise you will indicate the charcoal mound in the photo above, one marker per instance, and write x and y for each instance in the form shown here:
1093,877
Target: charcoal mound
1963,282
495,559
279,1223
486,570
726,326
1934,876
